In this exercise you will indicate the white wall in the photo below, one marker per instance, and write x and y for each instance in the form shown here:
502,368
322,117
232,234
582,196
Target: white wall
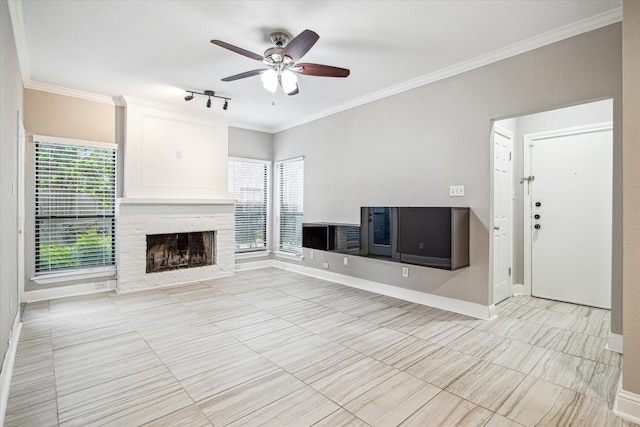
174,154
10,107
409,148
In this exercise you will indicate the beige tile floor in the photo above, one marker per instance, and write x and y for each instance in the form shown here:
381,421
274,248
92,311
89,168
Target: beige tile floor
273,348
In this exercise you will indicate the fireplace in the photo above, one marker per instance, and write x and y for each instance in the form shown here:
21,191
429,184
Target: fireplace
180,250
140,219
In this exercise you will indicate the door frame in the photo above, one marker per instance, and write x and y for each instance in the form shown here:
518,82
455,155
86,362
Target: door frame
527,140
507,134
20,214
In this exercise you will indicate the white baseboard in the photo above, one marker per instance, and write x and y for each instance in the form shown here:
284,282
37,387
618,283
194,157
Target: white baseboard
614,342
254,265
69,291
518,289
627,404
444,303
7,366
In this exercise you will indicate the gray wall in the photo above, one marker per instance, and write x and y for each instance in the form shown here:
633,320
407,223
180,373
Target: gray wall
409,148
250,144
10,106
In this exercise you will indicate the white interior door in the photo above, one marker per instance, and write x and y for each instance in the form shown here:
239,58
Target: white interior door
502,213
570,208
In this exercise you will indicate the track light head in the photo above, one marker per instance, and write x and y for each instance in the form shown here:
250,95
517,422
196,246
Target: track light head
226,104
188,97
209,103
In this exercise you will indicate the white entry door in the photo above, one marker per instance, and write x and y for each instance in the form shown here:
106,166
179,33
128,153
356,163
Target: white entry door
570,209
502,213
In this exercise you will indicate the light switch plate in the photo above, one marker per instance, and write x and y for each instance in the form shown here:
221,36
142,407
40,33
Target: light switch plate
456,191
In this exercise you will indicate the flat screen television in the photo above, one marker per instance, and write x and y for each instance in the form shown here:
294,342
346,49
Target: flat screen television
430,236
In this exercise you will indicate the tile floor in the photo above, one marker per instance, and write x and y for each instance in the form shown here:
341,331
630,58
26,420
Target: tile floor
274,348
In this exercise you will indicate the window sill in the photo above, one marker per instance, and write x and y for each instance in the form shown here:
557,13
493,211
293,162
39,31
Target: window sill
68,276
248,255
289,256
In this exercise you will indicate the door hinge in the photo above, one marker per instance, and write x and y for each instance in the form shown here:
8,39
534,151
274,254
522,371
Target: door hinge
510,156
509,271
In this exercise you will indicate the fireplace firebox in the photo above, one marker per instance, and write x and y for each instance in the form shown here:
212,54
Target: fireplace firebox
180,250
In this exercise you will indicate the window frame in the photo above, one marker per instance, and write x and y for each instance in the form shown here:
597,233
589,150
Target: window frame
66,274
268,221
277,217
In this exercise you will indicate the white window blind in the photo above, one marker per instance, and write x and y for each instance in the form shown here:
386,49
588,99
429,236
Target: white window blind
290,183
249,186
75,206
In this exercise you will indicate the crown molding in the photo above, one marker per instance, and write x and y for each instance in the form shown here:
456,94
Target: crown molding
75,93
16,13
586,25
580,27
247,126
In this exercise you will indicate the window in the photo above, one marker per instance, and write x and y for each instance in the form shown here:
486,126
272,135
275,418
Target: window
290,181
249,186
75,186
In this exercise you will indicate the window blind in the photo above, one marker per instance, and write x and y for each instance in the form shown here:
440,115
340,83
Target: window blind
74,207
290,184
249,186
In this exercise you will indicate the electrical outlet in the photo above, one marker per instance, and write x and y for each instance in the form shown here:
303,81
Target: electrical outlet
178,155
311,254
405,271
325,264
346,261
456,191
101,285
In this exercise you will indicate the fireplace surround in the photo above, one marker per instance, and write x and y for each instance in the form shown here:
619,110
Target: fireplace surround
138,218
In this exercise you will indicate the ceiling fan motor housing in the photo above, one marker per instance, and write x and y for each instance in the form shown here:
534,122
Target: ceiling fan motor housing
279,38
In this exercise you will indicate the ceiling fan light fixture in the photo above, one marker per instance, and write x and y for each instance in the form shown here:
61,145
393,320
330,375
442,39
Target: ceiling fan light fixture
270,80
289,81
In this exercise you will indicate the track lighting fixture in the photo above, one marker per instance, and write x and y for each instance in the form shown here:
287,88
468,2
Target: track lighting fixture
209,94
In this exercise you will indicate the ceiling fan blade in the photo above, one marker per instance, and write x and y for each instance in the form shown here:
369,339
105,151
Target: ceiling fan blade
300,45
237,49
323,70
244,75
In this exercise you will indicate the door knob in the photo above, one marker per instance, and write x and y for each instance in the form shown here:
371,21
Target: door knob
538,204
537,216
537,226
495,227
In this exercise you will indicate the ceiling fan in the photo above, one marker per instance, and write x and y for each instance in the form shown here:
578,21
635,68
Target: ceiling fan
281,61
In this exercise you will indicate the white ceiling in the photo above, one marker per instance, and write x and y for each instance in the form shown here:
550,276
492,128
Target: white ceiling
154,50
